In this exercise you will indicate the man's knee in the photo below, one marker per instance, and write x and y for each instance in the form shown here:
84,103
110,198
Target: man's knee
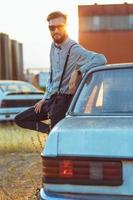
23,116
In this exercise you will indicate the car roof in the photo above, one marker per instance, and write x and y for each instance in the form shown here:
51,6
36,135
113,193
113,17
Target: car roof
13,81
111,66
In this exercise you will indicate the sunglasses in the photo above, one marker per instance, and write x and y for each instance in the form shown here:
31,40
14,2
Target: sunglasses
59,27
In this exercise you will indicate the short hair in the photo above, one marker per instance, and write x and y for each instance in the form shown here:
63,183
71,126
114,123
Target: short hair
56,14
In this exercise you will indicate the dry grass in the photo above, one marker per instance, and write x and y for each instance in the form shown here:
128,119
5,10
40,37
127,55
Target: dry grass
16,139
20,162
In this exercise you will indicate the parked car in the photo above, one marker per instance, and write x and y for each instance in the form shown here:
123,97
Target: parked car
89,154
16,96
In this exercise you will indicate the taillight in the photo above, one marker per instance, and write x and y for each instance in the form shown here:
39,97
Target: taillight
81,171
3,104
65,168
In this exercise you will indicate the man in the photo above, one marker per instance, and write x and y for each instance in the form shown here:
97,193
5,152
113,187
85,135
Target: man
61,88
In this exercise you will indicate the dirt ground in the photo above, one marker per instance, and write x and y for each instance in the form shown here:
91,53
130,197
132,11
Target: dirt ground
20,175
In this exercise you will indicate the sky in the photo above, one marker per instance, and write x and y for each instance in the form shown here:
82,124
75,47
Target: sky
25,21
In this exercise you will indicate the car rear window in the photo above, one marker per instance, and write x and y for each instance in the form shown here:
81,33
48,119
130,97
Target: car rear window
17,87
106,92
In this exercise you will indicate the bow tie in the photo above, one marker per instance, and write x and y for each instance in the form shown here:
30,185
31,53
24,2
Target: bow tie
58,47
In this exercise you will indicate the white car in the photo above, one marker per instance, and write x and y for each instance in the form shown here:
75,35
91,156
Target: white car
15,97
89,154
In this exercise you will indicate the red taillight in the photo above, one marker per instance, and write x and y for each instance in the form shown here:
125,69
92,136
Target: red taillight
82,171
66,168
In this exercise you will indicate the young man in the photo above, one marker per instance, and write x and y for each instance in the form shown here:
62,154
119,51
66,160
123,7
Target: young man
61,88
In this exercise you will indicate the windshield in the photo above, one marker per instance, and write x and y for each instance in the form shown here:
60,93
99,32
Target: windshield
17,87
106,92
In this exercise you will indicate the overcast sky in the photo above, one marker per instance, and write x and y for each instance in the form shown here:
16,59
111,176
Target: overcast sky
25,21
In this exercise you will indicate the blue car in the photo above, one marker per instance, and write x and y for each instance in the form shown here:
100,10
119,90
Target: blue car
15,97
89,154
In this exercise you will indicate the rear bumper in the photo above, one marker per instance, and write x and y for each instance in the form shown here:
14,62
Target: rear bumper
44,195
10,113
7,116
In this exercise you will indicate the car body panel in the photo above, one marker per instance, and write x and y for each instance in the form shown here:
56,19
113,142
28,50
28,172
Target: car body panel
46,195
113,132
124,189
15,93
95,136
96,128
52,144
102,130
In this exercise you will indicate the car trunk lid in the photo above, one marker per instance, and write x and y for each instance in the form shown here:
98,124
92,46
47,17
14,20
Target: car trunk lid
96,136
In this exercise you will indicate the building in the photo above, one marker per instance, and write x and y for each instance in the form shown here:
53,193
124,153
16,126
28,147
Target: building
107,29
11,58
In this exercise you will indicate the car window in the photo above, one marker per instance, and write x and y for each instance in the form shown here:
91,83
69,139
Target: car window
106,92
26,88
17,87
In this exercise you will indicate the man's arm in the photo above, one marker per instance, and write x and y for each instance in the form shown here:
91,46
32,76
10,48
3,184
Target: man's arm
84,60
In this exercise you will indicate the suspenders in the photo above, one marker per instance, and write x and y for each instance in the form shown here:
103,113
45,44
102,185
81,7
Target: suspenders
65,65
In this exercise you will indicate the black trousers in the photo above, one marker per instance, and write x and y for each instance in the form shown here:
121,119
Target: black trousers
54,109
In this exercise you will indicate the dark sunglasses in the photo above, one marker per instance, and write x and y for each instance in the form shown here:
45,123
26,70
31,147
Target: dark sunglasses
59,27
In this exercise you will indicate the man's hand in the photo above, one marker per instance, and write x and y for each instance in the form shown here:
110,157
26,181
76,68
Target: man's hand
74,81
39,105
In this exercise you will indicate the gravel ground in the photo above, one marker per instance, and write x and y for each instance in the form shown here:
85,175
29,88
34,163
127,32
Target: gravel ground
20,175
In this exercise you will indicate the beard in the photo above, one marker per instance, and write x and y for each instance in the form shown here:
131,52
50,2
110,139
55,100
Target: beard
59,39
